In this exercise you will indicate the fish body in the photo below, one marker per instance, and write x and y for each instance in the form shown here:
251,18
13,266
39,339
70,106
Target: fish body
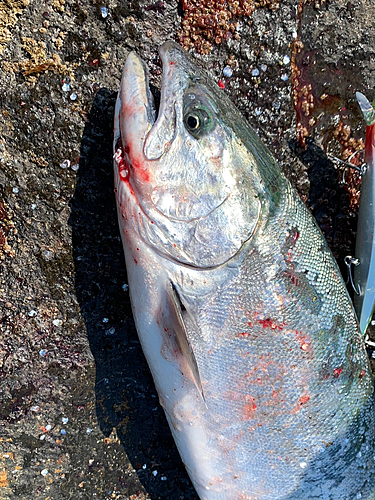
240,308
364,273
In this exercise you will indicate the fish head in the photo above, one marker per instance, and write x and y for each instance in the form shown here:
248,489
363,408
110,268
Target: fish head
186,180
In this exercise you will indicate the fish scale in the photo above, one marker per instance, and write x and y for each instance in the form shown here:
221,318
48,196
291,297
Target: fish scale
242,314
306,370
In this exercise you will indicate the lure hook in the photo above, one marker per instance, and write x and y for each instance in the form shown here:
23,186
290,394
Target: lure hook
362,169
349,261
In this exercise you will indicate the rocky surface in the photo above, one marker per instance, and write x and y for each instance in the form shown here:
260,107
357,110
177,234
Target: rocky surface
79,416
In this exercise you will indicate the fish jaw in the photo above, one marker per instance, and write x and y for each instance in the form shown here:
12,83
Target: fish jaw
364,274
174,82
134,116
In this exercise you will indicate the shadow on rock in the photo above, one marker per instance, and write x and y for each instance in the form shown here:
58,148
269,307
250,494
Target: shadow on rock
126,399
329,201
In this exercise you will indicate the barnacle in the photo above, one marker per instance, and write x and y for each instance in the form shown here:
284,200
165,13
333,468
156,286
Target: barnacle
350,145
208,22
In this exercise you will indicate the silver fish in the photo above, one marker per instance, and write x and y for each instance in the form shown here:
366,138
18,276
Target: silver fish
240,308
364,273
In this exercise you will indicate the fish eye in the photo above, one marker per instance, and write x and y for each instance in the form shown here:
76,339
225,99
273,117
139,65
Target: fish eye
192,122
198,119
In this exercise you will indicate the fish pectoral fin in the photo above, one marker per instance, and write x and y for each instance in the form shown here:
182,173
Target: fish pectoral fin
176,337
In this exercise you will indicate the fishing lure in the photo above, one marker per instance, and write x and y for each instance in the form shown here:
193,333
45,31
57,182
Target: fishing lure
364,273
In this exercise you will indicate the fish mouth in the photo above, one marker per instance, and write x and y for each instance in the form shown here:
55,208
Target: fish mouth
135,111
140,105
155,100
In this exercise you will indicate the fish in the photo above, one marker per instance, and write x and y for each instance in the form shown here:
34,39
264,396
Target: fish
364,273
241,311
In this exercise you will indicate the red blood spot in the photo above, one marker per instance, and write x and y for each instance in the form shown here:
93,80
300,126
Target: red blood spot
138,249
249,407
123,169
303,340
136,163
295,280
291,242
221,84
124,174
122,164
290,274
268,323
141,171
337,372
135,260
304,399
295,237
248,335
